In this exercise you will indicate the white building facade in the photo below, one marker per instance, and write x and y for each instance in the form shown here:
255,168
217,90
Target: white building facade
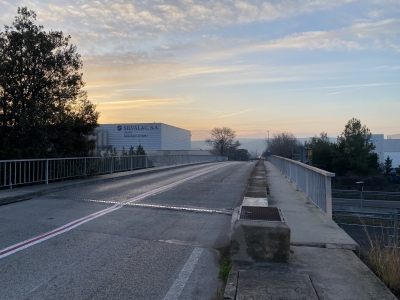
152,136
387,147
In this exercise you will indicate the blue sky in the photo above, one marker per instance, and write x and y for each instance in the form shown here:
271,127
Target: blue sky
302,66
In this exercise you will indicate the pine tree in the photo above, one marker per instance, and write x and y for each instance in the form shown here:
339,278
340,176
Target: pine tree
123,151
353,151
131,151
140,150
387,166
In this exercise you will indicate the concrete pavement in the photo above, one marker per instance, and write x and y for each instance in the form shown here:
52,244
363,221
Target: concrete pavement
323,262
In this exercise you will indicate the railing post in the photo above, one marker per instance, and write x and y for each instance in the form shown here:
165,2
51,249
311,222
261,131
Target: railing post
84,167
47,171
328,196
111,164
145,158
307,195
395,226
131,163
10,176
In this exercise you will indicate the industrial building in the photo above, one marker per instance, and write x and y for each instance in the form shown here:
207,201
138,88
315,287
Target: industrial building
152,137
387,147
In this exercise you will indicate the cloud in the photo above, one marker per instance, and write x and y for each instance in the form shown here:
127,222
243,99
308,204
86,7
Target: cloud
356,85
394,46
150,19
350,90
125,102
120,70
262,78
138,102
389,67
353,38
310,41
350,87
153,29
234,114
349,38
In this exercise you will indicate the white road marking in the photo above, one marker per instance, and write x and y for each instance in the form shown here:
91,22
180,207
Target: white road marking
184,208
38,239
180,282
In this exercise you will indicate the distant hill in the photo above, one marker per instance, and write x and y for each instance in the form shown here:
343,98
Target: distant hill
252,145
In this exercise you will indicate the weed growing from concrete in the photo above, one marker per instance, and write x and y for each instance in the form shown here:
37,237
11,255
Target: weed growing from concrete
224,268
384,261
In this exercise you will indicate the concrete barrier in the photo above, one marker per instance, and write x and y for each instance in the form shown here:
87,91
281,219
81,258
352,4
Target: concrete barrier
259,232
260,240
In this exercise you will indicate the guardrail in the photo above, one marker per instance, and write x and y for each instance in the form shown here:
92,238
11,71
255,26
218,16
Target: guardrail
28,171
389,221
374,195
313,182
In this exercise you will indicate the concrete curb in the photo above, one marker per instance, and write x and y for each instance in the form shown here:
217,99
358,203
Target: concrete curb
29,192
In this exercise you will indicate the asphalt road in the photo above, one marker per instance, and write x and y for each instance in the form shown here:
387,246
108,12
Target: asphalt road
162,243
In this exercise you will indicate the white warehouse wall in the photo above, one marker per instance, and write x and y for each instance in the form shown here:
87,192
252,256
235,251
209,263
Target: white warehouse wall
377,140
149,135
174,138
387,147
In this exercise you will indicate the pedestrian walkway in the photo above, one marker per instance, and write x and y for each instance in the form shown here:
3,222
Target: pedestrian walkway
308,224
323,260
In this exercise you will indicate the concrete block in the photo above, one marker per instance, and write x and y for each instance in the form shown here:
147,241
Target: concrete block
256,188
260,194
271,285
260,202
231,286
260,241
260,183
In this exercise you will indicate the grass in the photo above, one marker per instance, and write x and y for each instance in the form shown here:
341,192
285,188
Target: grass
224,268
384,261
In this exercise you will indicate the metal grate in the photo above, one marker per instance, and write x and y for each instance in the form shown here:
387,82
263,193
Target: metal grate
260,213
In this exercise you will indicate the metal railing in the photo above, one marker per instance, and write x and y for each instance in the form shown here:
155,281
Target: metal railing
313,182
366,194
388,221
28,171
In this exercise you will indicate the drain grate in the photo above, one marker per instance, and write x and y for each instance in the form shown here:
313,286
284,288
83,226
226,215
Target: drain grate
260,213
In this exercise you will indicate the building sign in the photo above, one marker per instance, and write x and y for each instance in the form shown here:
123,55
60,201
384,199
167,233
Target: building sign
136,130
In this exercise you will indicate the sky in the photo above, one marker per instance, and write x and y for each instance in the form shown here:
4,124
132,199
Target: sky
258,67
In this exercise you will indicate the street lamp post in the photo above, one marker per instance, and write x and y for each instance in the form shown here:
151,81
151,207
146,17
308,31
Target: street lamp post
361,183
